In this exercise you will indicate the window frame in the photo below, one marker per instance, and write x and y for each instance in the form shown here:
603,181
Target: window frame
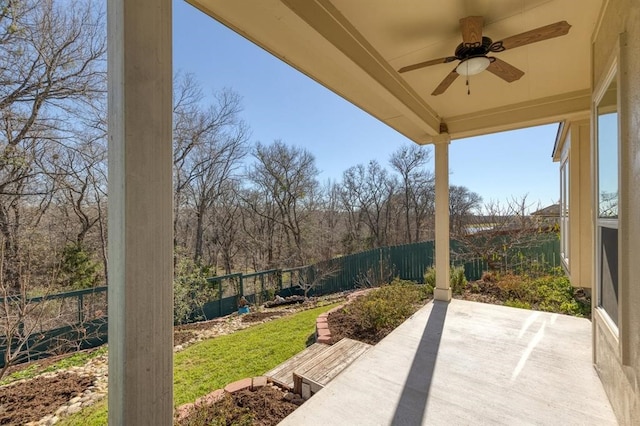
605,222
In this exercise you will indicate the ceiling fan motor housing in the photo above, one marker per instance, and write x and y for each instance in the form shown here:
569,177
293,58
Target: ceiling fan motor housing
469,50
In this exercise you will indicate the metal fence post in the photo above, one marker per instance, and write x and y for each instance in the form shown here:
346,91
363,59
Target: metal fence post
381,272
220,296
80,308
262,285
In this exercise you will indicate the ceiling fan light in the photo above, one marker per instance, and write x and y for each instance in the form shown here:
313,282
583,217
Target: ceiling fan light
473,65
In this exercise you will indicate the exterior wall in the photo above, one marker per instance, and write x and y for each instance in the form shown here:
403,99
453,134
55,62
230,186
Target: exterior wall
580,202
617,358
575,145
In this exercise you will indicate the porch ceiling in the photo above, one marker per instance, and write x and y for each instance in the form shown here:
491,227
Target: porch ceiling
355,47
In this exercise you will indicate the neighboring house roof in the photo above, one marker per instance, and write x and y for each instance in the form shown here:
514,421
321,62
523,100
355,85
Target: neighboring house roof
549,211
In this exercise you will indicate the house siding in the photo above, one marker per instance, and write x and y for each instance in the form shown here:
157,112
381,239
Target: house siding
617,358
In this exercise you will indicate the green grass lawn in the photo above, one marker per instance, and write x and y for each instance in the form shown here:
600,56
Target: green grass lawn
213,363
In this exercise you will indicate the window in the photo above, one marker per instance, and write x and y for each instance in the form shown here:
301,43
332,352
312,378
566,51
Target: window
607,181
564,211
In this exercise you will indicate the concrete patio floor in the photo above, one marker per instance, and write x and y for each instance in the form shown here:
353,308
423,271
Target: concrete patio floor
463,363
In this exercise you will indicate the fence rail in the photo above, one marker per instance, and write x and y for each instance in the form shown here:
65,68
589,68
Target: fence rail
36,327
81,316
375,266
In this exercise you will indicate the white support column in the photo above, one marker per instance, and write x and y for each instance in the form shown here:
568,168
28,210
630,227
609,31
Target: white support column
442,290
140,213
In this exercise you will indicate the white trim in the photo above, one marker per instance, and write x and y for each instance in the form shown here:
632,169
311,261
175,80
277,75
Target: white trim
565,189
598,94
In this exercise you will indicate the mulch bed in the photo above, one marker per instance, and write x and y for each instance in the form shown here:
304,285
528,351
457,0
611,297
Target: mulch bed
259,316
29,401
343,325
265,406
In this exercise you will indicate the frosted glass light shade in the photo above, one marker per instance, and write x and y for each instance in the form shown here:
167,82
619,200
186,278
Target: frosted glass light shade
473,66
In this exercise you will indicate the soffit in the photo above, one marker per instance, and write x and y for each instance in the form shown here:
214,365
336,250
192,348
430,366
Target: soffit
355,47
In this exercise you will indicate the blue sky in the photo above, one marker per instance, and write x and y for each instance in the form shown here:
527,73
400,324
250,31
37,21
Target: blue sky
280,103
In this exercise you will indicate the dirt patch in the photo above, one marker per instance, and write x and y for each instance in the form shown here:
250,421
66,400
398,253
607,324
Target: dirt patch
265,406
268,404
183,336
343,324
33,399
482,291
260,316
29,401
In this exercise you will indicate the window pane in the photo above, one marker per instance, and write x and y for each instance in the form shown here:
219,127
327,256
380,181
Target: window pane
609,272
564,211
608,165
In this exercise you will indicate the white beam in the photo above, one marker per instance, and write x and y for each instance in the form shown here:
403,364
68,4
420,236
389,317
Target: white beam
574,105
140,213
442,290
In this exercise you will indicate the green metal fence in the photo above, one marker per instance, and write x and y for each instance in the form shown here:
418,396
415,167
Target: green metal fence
80,317
376,266
41,326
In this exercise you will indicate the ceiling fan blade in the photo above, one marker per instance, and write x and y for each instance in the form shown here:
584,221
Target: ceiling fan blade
427,64
444,85
533,36
505,71
471,29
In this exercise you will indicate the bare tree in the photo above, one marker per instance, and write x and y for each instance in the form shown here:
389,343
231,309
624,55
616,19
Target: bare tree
33,327
79,171
226,225
463,203
220,158
371,189
260,229
311,277
289,176
329,221
52,66
410,162
499,229
353,238
209,145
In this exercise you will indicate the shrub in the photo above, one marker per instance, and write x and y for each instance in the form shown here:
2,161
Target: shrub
515,303
430,277
457,279
551,293
489,277
78,270
385,308
512,286
191,291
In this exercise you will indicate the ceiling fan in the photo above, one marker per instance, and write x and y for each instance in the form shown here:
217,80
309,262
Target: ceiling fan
472,52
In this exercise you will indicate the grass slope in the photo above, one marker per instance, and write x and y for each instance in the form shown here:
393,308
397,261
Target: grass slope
213,363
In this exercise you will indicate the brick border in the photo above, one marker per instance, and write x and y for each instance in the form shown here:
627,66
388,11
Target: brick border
323,335
323,332
211,398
